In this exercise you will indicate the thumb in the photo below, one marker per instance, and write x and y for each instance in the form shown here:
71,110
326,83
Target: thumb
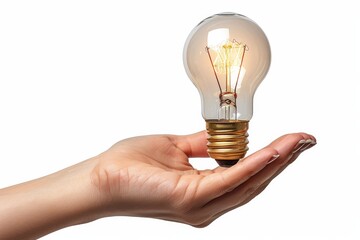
193,145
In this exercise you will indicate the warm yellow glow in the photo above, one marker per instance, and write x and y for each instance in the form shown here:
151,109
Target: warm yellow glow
227,58
228,55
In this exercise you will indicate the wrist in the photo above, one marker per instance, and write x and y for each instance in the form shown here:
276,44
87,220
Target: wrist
41,206
77,198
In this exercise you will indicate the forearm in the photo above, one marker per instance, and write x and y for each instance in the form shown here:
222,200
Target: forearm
36,208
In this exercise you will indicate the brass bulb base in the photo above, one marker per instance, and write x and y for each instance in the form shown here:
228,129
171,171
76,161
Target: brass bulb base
227,141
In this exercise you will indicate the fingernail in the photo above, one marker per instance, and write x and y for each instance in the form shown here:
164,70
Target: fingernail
274,157
303,144
299,145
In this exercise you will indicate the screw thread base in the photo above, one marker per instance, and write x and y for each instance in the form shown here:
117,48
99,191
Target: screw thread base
227,141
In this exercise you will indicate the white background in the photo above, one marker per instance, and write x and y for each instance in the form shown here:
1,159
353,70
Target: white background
77,76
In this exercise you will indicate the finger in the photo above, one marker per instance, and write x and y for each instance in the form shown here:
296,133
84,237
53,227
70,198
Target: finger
262,187
193,145
212,218
256,192
300,147
285,146
291,143
253,191
225,180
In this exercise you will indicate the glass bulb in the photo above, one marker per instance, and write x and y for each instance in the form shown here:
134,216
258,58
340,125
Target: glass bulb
227,56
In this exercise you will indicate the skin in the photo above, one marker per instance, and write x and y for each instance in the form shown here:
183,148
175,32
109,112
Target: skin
147,176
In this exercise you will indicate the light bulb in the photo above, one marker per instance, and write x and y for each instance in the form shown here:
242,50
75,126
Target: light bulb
227,56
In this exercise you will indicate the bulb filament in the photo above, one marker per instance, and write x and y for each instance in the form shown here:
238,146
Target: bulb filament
227,60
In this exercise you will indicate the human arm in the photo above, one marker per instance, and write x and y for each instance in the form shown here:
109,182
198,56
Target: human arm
147,176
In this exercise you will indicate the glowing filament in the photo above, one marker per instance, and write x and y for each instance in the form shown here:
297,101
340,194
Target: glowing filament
226,59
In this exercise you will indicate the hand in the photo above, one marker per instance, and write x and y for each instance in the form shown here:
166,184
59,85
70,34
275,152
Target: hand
151,176
147,176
